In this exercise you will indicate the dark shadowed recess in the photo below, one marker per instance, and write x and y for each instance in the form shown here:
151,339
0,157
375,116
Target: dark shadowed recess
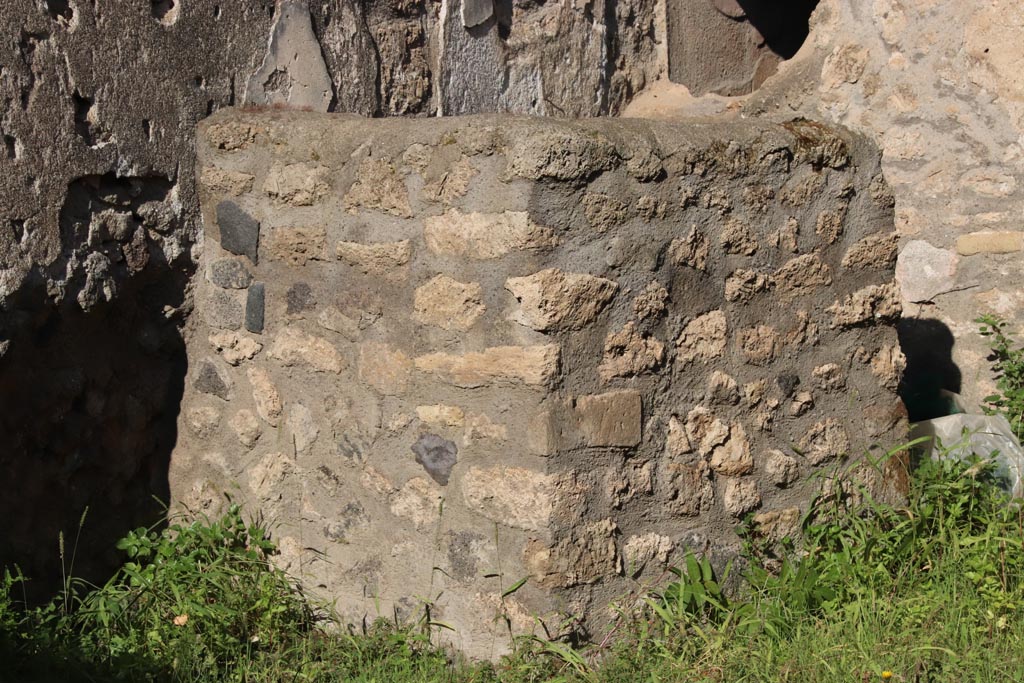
731,47
784,24
88,411
928,345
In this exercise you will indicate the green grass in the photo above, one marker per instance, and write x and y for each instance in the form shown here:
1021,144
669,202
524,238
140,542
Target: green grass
929,591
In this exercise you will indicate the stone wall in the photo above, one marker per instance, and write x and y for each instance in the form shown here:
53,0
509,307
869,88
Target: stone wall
444,355
938,86
99,213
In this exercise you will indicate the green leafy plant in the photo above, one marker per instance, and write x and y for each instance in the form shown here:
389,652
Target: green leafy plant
202,594
1008,362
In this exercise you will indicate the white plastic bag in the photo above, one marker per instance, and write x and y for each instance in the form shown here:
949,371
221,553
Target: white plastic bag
959,436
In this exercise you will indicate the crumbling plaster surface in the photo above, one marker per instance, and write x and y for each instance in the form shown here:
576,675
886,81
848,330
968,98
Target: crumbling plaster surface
443,355
91,88
939,85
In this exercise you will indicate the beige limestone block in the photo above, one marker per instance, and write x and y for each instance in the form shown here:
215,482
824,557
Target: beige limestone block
202,420
452,184
266,476
603,212
874,251
830,224
499,365
780,469
740,496
824,441
628,352
542,437
554,299
651,302
441,415
372,480
294,347
384,368
480,427
299,184
562,153
221,181
703,338
775,525
232,135
786,236
690,489
268,401
235,347
651,548
691,250
888,366
587,556
743,285
802,402
330,318
990,242
760,344
733,456
380,259
298,245
611,419
448,303
677,443
867,305
485,235
704,431
844,65
723,389
513,496
302,426
378,186
247,427
802,275
737,238
829,377
419,501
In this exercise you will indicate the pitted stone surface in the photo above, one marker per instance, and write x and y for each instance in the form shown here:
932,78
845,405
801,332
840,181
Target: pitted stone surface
607,337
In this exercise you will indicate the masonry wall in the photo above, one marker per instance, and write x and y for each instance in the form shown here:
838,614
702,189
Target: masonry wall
448,354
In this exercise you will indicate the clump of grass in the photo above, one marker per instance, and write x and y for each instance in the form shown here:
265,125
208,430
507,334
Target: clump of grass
932,590
929,591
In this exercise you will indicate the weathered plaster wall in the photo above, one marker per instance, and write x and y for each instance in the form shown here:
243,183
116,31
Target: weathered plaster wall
446,354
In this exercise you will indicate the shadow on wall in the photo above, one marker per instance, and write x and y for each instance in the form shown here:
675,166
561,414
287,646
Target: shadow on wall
730,47
928,345
88,410
784,26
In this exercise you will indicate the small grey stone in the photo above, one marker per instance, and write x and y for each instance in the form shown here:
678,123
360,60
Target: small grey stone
437,456
299,297
254,304
209,380
224,309
229,273
239,232
476,12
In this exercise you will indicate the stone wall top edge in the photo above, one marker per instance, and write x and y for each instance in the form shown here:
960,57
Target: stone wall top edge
677,133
